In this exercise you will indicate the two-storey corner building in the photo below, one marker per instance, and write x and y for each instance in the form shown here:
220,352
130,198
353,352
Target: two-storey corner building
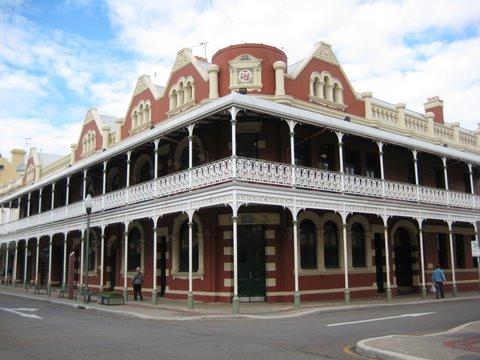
248,179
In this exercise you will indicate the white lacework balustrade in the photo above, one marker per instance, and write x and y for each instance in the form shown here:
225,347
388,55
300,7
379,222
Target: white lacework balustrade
212,173
362,185
431,195
254,171
261,171
400,191
460,199
317,179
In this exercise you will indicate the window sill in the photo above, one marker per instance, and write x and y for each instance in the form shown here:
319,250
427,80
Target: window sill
335,271
140,128
87,153
180,108
327,103
184,275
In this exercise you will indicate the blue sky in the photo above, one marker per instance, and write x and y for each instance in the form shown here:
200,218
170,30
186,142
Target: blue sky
59,58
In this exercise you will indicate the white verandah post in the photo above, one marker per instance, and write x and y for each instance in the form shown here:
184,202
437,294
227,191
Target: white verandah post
14,272
452,258
154,283
102,256
64,273
415,169
235,301
382,171
345,258
125,259
387,257
25,263
50,245
190,260
422,257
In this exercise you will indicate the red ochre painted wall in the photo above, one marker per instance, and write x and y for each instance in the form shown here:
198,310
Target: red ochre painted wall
268,54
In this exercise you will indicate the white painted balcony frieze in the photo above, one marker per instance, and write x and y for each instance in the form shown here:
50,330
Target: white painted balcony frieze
258,172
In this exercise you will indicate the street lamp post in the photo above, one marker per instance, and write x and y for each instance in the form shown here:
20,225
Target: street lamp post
88,208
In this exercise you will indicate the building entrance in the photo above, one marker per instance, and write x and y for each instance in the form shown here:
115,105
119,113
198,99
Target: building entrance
251,263
403,261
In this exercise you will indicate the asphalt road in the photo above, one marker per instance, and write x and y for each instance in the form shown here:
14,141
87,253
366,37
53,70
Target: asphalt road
60,332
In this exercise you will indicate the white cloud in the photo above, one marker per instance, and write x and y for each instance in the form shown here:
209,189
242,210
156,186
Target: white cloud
44,136
401,51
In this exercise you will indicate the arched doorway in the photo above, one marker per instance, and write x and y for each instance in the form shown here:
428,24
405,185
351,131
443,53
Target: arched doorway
403,261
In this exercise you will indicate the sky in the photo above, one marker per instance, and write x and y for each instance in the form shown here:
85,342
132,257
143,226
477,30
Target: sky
60,58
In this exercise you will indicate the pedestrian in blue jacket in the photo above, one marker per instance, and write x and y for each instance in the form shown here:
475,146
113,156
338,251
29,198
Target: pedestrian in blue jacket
438,278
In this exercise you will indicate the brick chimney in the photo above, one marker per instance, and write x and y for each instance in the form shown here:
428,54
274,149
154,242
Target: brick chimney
435,106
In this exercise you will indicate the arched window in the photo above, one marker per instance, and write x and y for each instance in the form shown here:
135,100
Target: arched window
135,119
308,245
141,119
326,86
316,87
180,95
147,113
173,100
183,248
335,92
188,92
358,245
330,246
134,249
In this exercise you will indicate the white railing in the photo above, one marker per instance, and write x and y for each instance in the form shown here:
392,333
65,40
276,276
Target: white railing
262,171
417,124
253,171
362,185
384,114
400,191
443,132
318,179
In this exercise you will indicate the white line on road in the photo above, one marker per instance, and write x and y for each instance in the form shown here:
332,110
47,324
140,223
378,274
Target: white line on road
380,319
19,311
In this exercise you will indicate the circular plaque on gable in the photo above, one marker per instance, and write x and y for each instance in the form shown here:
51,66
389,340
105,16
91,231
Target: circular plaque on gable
245,75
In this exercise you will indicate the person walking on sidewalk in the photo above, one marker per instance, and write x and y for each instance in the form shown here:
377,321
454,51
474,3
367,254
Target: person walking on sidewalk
438,278
137,282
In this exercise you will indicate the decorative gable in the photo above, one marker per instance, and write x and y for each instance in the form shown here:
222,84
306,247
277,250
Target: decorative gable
323,51
246,73
184,57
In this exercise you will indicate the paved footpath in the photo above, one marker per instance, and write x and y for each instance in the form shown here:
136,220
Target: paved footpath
168,309
462,342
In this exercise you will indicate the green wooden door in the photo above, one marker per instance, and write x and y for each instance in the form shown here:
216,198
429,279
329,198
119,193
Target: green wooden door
251,262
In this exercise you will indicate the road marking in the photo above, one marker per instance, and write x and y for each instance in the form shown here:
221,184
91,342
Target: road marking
380,319
20,311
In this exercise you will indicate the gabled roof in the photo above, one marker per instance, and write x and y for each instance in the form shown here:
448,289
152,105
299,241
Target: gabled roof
144,82
322,51
185,57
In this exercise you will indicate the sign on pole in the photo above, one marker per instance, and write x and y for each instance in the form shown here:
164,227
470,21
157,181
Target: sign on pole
475,249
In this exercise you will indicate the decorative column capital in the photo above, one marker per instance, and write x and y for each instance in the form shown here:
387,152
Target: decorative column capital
234,218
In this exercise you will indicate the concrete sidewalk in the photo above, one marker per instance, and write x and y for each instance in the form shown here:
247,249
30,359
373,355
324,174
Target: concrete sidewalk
462,342
168,309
